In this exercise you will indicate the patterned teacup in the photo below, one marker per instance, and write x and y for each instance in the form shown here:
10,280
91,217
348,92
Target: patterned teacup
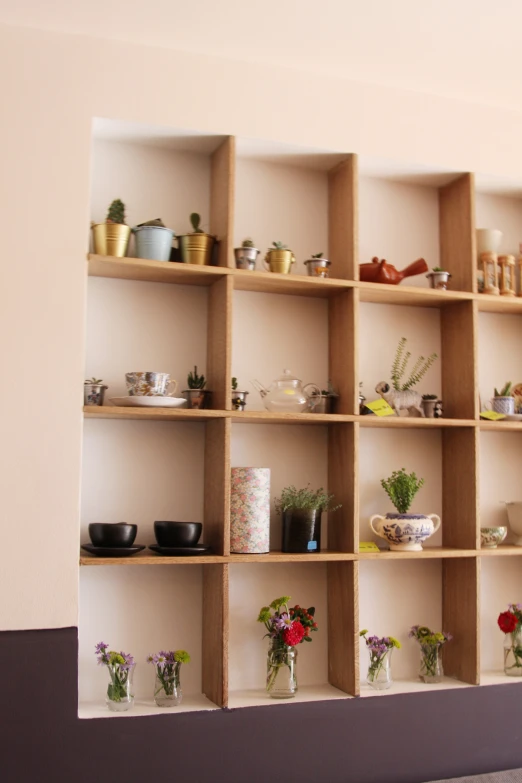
504,405
149,384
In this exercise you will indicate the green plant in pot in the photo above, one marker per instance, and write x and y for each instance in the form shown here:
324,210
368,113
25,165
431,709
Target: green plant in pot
112,237
317,266
196,395
503,401
279,258
301,511
239,398
246,255
196,247
404,532
439,278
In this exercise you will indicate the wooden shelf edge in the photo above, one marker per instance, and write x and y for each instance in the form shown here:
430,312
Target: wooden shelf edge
382,293
154,414
413,422
503,550
429,553
500,426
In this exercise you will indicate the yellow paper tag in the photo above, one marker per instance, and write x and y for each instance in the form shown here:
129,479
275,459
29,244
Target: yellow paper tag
380,408
492,415
368,546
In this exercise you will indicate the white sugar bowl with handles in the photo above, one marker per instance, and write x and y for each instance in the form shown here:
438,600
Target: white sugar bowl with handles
405,532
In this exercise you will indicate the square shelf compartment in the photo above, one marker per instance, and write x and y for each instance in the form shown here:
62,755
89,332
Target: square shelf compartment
501,585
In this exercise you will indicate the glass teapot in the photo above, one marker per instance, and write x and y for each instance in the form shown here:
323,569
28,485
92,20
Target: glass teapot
286,394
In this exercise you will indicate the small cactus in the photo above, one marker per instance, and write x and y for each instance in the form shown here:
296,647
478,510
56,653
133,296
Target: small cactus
116,213
247,243
234,384
195,221
318,255
94,380
196,381
280,246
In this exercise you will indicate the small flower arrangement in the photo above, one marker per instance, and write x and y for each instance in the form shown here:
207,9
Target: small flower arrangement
510,622
167,666
379,647
430,644
120,665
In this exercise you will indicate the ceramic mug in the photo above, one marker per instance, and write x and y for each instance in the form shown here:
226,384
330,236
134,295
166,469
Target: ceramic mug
149,384
505,405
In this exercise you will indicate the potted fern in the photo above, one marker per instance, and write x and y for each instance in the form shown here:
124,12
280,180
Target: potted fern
196,395
196,247
279,258
246,255
301,511
112,237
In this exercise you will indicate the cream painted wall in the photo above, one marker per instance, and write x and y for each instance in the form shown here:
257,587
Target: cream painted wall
56,84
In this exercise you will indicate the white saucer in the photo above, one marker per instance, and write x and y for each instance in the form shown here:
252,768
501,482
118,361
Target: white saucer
149,402
514,417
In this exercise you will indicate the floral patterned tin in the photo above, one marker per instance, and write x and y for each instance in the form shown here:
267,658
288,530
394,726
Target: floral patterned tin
250,511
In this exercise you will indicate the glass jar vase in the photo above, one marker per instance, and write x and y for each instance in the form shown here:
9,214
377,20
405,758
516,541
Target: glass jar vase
513,653
430,663
281,675
167,687
120,696
379,671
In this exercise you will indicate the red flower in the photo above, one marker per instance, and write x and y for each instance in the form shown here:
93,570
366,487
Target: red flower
507,622
294,634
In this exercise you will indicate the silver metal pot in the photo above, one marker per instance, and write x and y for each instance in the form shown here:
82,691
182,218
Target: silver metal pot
246,257
197,398
239,400
318,267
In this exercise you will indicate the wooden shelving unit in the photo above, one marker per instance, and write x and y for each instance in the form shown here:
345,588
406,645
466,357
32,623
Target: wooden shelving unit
460,553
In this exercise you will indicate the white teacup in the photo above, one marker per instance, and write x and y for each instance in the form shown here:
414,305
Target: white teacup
149,384
505,405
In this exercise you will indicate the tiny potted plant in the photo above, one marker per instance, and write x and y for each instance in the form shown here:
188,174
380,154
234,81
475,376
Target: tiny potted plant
404,532
380,650
246,255
503,401
238,397
279,258
196,247
322,400
439,278
93,391
112,237
153,240
301,511
431,643
317,266
120,666
286,628
429,401
167,686
196,395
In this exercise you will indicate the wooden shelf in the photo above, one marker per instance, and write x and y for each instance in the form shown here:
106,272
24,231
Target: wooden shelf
499,304
404,422
428,553
268,417
502,551
150,414
148,558
500,426
154,271
296,285
380,293
288,557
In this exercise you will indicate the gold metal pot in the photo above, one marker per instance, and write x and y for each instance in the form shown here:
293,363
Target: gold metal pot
279,261
196,248
111,239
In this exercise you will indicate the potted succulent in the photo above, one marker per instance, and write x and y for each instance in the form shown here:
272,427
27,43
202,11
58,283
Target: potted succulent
301,511
404,532
503,401
238,397
112,237
439,278
429,401
93,391
196,395
317,266
197,247
279,258
246,255
153,240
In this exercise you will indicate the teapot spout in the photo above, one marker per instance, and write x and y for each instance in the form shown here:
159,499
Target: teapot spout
259,387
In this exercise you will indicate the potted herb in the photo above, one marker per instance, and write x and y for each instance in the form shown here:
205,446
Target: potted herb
120,666
402,396
317,266
279,258
238,397
167,686
301,511
380,650
246,255
404,532
93,391
153,240
112,237
196,247
196,395
286,628
429,401
431,643
439,278
503,401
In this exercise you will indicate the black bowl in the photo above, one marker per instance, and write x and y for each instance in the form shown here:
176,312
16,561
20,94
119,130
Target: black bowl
112,533
177,533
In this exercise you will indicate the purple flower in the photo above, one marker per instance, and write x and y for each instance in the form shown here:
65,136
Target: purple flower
101,647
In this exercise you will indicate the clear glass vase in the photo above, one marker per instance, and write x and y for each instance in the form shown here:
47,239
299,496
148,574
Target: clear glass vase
281,675
120,696
513,653
430,663
379,671
167,688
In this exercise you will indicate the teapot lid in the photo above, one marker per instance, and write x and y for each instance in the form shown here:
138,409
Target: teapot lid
287,377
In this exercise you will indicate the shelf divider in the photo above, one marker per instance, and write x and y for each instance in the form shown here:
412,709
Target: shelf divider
461,617
222,187
216,509
219,343
343,482
343,626
458,325
215,634
457,232
460,508
343,219
343,313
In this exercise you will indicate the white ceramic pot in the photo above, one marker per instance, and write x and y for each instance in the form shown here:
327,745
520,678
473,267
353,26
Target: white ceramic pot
514,510
488,240
405,532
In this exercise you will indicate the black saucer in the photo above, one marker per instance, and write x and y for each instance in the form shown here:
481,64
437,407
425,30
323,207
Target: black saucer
180,551
112,551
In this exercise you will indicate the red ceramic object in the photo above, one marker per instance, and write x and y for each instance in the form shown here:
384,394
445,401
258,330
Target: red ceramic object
382,272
